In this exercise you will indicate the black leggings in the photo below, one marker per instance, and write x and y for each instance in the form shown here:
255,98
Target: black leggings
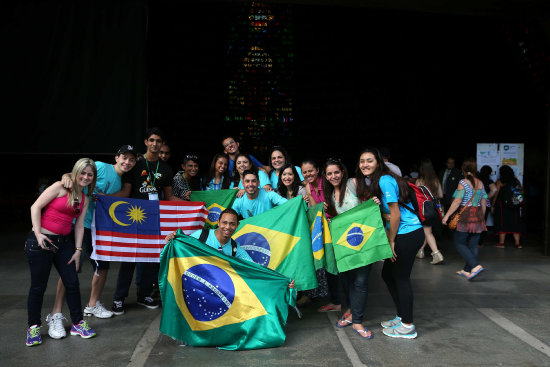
397,275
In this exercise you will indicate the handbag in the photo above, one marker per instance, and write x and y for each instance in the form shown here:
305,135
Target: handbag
453,223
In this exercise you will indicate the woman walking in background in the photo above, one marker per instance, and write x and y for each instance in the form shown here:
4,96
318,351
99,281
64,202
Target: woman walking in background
427,177
469,195
507,211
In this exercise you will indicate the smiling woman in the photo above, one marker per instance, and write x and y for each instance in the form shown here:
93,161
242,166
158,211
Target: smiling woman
49,242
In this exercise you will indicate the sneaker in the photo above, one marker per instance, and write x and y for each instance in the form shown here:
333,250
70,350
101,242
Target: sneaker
56,330
499,245
391,323
148,302
98,311
400,331
33,336
83,329
118,308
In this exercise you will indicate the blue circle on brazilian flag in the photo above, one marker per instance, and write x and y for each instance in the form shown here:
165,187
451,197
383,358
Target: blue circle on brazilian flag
355,236
214,214
208,291
317,235
256,246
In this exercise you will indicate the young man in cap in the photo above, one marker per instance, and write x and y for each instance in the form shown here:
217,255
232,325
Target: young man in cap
109,182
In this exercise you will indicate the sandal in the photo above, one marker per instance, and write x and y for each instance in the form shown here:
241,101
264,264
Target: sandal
474,274
463,274
328,308
364,333
342,323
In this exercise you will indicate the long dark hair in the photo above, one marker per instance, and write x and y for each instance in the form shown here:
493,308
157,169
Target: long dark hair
328,189
485,176
236,175
506,174
282,150
365,192
282,189
469,168
212,171
426,173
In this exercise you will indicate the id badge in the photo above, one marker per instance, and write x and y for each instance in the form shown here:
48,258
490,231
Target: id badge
153,196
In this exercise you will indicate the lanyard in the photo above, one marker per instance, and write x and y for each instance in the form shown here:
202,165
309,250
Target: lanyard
149,172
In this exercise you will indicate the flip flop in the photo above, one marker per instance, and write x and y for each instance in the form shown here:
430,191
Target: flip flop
462,274
344,321
365,330
327,308
475,274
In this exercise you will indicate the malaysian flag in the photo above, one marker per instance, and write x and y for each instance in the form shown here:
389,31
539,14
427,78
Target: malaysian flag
133,230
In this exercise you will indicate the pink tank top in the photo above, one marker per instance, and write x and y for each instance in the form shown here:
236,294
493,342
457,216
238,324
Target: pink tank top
57,217
318,197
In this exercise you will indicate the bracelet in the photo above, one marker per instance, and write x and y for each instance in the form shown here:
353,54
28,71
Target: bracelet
79,249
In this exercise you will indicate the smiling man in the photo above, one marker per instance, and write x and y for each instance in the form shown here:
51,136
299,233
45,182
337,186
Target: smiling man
256,200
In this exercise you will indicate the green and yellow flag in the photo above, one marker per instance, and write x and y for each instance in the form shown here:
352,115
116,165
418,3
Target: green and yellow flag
210,299
359,237
321,240
280,240
216,201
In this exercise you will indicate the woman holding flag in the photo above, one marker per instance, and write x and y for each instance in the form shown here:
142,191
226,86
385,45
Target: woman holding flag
340,196
49,243
405,234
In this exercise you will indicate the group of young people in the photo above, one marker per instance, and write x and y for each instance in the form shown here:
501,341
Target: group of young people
61,219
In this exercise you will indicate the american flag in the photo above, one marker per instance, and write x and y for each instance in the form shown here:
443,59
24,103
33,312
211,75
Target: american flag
133,230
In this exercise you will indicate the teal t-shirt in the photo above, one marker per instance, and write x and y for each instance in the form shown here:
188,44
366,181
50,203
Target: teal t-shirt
108,182
266,200
275,178
226,248
390,194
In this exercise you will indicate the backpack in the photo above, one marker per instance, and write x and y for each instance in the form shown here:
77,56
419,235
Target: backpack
514,195
426,206
204,236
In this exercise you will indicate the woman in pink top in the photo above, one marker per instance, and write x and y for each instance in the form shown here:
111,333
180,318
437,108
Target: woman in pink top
49,243
314,190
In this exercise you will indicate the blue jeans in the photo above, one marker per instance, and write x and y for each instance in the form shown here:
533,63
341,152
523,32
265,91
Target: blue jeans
40,263
467,246
357,286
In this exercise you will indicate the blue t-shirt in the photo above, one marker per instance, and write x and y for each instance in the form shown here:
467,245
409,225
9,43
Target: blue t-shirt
226,248
264,180
275,178
266,200
390,194
255,163
108,182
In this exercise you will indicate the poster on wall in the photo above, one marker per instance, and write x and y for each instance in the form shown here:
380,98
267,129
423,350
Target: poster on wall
496,155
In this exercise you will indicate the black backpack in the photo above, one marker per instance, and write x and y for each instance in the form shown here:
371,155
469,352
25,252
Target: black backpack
204,236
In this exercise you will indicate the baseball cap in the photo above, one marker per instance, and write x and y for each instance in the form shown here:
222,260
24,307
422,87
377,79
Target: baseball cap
126,149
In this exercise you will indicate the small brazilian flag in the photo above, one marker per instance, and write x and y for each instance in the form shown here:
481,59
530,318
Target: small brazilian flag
280,239
321,240
216,201
210,299
359,237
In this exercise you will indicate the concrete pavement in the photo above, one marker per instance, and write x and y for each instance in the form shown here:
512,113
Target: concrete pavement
502,318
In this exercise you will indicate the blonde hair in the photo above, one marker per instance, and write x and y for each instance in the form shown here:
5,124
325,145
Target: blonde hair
76,192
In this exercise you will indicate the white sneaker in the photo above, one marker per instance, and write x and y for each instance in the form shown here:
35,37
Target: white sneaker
98,311
56,330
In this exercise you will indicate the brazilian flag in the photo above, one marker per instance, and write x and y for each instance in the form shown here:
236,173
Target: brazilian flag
280,240
216,201
210,299
359,237
321,240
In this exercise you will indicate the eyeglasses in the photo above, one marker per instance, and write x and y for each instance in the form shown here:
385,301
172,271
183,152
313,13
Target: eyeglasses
76,207
229,143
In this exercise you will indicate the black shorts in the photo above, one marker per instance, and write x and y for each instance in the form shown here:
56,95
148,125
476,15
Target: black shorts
87,250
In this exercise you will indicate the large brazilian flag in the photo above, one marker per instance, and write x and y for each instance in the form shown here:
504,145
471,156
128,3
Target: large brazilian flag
280,240
210,299
216,201
321,240
359,237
